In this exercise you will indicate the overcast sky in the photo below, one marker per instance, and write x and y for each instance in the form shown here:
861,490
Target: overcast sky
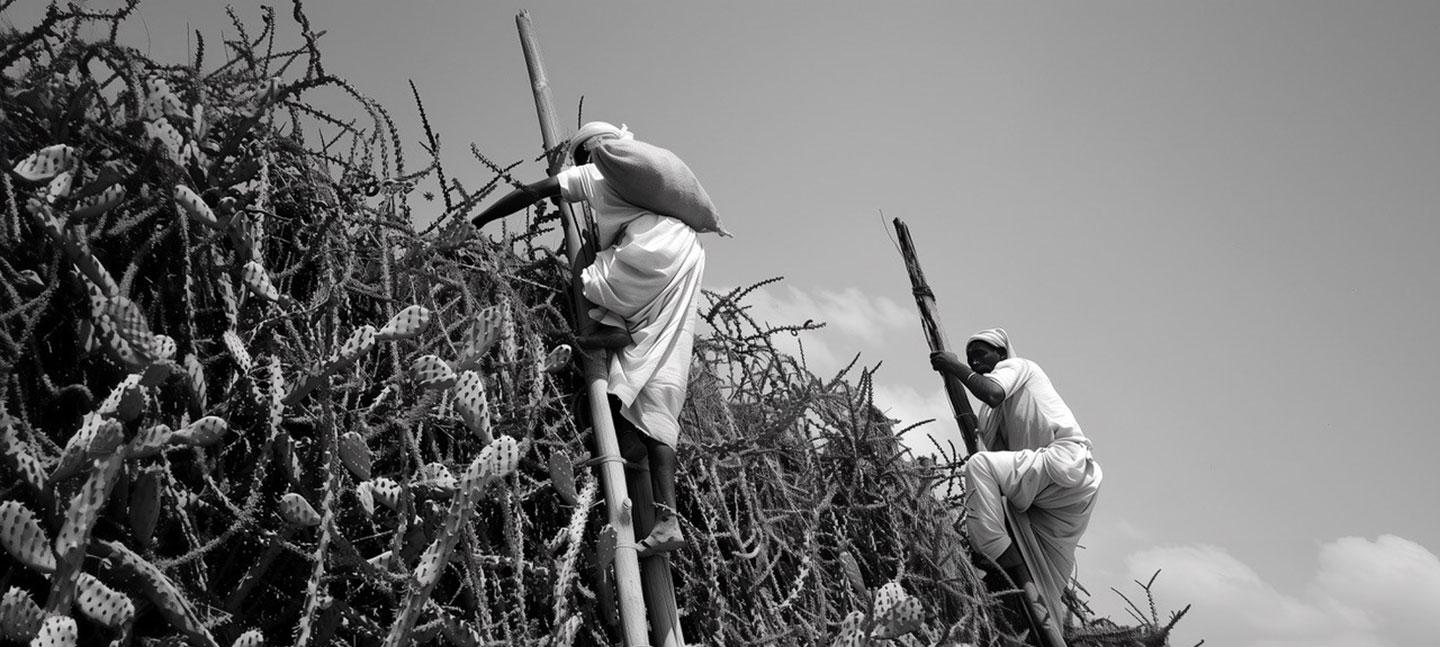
1212,223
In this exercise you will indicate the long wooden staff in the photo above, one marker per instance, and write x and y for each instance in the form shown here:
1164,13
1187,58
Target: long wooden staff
935,335
1048,633
612,471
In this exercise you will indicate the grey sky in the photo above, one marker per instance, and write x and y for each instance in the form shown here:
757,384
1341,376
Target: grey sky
1214,224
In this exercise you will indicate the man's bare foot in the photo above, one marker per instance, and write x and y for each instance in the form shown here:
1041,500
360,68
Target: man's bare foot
663,538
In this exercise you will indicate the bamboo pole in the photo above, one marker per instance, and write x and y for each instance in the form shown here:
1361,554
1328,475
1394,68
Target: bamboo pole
1048,634
612,472
655,569
935,336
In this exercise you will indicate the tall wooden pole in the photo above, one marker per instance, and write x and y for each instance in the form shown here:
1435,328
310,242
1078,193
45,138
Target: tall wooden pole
1047,633
935,336
593,363
655,569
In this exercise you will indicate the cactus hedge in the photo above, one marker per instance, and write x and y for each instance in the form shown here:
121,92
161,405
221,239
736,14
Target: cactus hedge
245,399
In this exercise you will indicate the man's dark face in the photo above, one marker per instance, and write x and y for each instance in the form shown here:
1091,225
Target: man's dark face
982,356
582,155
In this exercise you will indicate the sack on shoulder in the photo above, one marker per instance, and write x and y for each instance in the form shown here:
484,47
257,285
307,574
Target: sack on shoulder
655,179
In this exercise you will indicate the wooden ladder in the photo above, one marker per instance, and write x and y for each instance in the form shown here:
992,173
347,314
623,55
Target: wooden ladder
629,502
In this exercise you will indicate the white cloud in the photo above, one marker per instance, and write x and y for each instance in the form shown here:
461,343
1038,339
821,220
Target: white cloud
854,323
909,406
1381,593
1393,581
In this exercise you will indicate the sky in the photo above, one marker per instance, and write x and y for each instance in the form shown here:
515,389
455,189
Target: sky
1213,224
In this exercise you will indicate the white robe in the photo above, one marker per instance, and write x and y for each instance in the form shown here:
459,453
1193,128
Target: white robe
1044,471
646,279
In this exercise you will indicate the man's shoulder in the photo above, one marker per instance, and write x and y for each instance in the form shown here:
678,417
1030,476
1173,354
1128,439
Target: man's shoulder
1018,363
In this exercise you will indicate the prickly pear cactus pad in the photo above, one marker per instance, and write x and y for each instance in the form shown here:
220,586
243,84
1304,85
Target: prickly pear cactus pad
258,385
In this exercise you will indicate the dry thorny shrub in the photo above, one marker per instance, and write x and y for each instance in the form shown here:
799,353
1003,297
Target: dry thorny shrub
245,399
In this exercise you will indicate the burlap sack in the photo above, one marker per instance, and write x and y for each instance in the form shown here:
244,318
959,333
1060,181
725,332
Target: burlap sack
655,179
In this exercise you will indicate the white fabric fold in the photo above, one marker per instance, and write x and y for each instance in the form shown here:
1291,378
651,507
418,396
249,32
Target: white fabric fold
649,283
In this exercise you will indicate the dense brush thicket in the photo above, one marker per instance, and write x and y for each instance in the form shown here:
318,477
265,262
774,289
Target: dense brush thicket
246,400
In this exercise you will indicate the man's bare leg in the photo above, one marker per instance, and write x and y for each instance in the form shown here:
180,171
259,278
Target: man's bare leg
666,535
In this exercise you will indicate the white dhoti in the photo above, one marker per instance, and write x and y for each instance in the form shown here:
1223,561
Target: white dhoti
649,284
1054,488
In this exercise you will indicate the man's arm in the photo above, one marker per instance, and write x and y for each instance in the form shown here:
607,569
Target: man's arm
518,199
984,388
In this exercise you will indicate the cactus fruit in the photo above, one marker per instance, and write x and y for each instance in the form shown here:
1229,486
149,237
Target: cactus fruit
57,631
20,617
24,539
195,207
355,454
406,324
102,603
472,404
202,433
431,372
557,360
145,505
257,281
562,477
46,163
297,511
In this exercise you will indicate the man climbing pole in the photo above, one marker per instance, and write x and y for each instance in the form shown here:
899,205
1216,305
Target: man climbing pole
645,283
1036,458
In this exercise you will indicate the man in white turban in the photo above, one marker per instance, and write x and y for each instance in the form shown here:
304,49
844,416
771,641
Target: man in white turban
645,284
1036,459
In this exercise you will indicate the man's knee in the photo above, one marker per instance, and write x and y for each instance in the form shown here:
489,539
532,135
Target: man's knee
980,466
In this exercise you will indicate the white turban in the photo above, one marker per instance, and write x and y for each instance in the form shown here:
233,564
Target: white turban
996,337
597,129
